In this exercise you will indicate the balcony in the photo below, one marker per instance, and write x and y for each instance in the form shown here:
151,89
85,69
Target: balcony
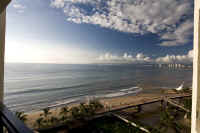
10,123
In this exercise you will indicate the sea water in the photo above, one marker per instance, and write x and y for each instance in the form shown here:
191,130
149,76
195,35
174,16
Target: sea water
35,86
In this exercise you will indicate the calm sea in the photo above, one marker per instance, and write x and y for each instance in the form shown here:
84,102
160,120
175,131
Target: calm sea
35,86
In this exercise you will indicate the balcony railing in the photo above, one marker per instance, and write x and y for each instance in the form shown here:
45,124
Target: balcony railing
10,122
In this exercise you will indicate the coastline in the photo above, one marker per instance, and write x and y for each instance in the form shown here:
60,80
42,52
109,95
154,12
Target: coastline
108,103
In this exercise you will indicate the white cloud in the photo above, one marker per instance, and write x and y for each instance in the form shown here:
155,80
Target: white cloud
176,58
19,6
45,53
169,19
180,36
141,58
62,3
58,3
126,58
50,53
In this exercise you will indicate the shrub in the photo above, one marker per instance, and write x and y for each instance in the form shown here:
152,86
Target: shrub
21,115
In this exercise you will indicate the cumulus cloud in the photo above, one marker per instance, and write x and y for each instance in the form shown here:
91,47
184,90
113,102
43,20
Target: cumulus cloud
58,3
181,35
176,58
19,7
141,58
169,19
126,58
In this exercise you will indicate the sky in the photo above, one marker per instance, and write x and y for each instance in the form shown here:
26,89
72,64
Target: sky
99,31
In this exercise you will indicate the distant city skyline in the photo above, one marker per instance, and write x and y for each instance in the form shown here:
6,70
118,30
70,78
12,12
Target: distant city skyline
100,31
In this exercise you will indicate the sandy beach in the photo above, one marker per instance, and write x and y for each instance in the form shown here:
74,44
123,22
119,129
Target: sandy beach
109,103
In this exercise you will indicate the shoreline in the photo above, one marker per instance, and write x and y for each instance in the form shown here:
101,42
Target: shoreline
34,106
108,103
132,91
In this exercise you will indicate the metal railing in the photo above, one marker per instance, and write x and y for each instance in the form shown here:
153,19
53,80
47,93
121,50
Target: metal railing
11,123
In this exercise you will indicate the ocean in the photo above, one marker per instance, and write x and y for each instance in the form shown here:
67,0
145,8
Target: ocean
31,87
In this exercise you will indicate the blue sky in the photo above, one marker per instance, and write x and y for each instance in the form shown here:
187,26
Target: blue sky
99,31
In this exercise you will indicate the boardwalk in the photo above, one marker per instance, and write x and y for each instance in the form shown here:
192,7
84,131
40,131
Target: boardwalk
145,102
115,110
124,116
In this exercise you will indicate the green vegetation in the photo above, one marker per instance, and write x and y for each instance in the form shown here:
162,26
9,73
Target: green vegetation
21,115
107,124
168,121
82,112
187,103
95,105
86,111
75,112
64,113
46,116
39,122
171,120
187,90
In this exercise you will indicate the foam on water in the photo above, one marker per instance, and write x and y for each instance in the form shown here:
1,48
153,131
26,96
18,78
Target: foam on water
116,94
132,90
122,92
60,103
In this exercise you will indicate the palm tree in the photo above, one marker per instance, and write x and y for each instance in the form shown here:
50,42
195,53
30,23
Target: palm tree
46,113
64,112
75,112
21,115
96,105
54,120
168,120
85,111
39,122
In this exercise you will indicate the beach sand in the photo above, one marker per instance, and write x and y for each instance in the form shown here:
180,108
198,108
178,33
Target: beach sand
109,103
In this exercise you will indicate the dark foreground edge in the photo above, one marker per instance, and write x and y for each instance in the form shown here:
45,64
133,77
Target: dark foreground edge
11,123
